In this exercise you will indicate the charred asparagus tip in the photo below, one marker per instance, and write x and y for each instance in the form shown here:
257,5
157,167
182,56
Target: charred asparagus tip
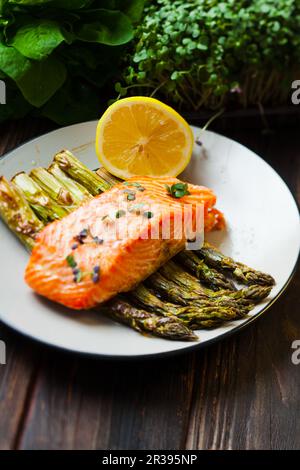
141,320
80,173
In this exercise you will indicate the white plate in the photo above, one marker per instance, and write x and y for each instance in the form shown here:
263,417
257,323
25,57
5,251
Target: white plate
263,231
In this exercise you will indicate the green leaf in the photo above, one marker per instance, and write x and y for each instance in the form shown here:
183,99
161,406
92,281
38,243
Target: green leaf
42,80
67,4
3,4
108,27
12,63
29,2
72,4
73,102
132,8
38,39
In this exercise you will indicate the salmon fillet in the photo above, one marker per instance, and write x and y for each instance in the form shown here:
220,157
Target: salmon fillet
104,247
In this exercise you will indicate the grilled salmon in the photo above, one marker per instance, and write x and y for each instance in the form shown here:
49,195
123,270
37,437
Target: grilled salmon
114,241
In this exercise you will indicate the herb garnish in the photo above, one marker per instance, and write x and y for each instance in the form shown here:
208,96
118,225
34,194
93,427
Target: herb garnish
95,274
134,183
120,213
82,236
98,240
106,218
148,214
71,261
178,190
77,275
136,208
131,197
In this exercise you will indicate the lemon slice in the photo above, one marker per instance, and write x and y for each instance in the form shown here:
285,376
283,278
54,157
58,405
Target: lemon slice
143,136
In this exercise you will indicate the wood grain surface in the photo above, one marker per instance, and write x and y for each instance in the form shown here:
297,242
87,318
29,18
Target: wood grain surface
241,393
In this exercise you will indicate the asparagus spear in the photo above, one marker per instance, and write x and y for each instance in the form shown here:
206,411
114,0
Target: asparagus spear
241,272
214,279
193,316
17,213
78,192
141,320
188,282
53,188
107,177
45,207
80,173
177,294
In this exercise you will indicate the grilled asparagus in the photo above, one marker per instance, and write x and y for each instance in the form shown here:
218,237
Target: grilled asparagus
79,193
240,271
80,173
193,316
45,207
213,278
141,320
17,213
188,282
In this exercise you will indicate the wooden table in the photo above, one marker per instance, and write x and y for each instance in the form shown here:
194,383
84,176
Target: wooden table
242,393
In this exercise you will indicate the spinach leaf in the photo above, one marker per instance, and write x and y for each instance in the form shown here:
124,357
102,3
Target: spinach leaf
56,55
75,101
38,39
108,27
12,63
42,80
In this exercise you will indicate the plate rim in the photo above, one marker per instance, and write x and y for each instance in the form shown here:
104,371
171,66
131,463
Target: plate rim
158,355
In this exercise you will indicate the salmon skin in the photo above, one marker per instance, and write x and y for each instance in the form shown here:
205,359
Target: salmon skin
84,259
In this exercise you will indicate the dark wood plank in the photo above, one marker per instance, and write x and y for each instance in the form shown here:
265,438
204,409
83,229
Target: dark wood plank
84,404
17,377
13,134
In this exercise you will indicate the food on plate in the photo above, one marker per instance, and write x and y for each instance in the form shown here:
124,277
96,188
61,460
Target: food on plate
148,321
186,294
215,279
239,271
76,170
143,136
45,207
113,241
17,213
196,316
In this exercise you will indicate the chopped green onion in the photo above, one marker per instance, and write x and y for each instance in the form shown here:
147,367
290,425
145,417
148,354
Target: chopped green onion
71,261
